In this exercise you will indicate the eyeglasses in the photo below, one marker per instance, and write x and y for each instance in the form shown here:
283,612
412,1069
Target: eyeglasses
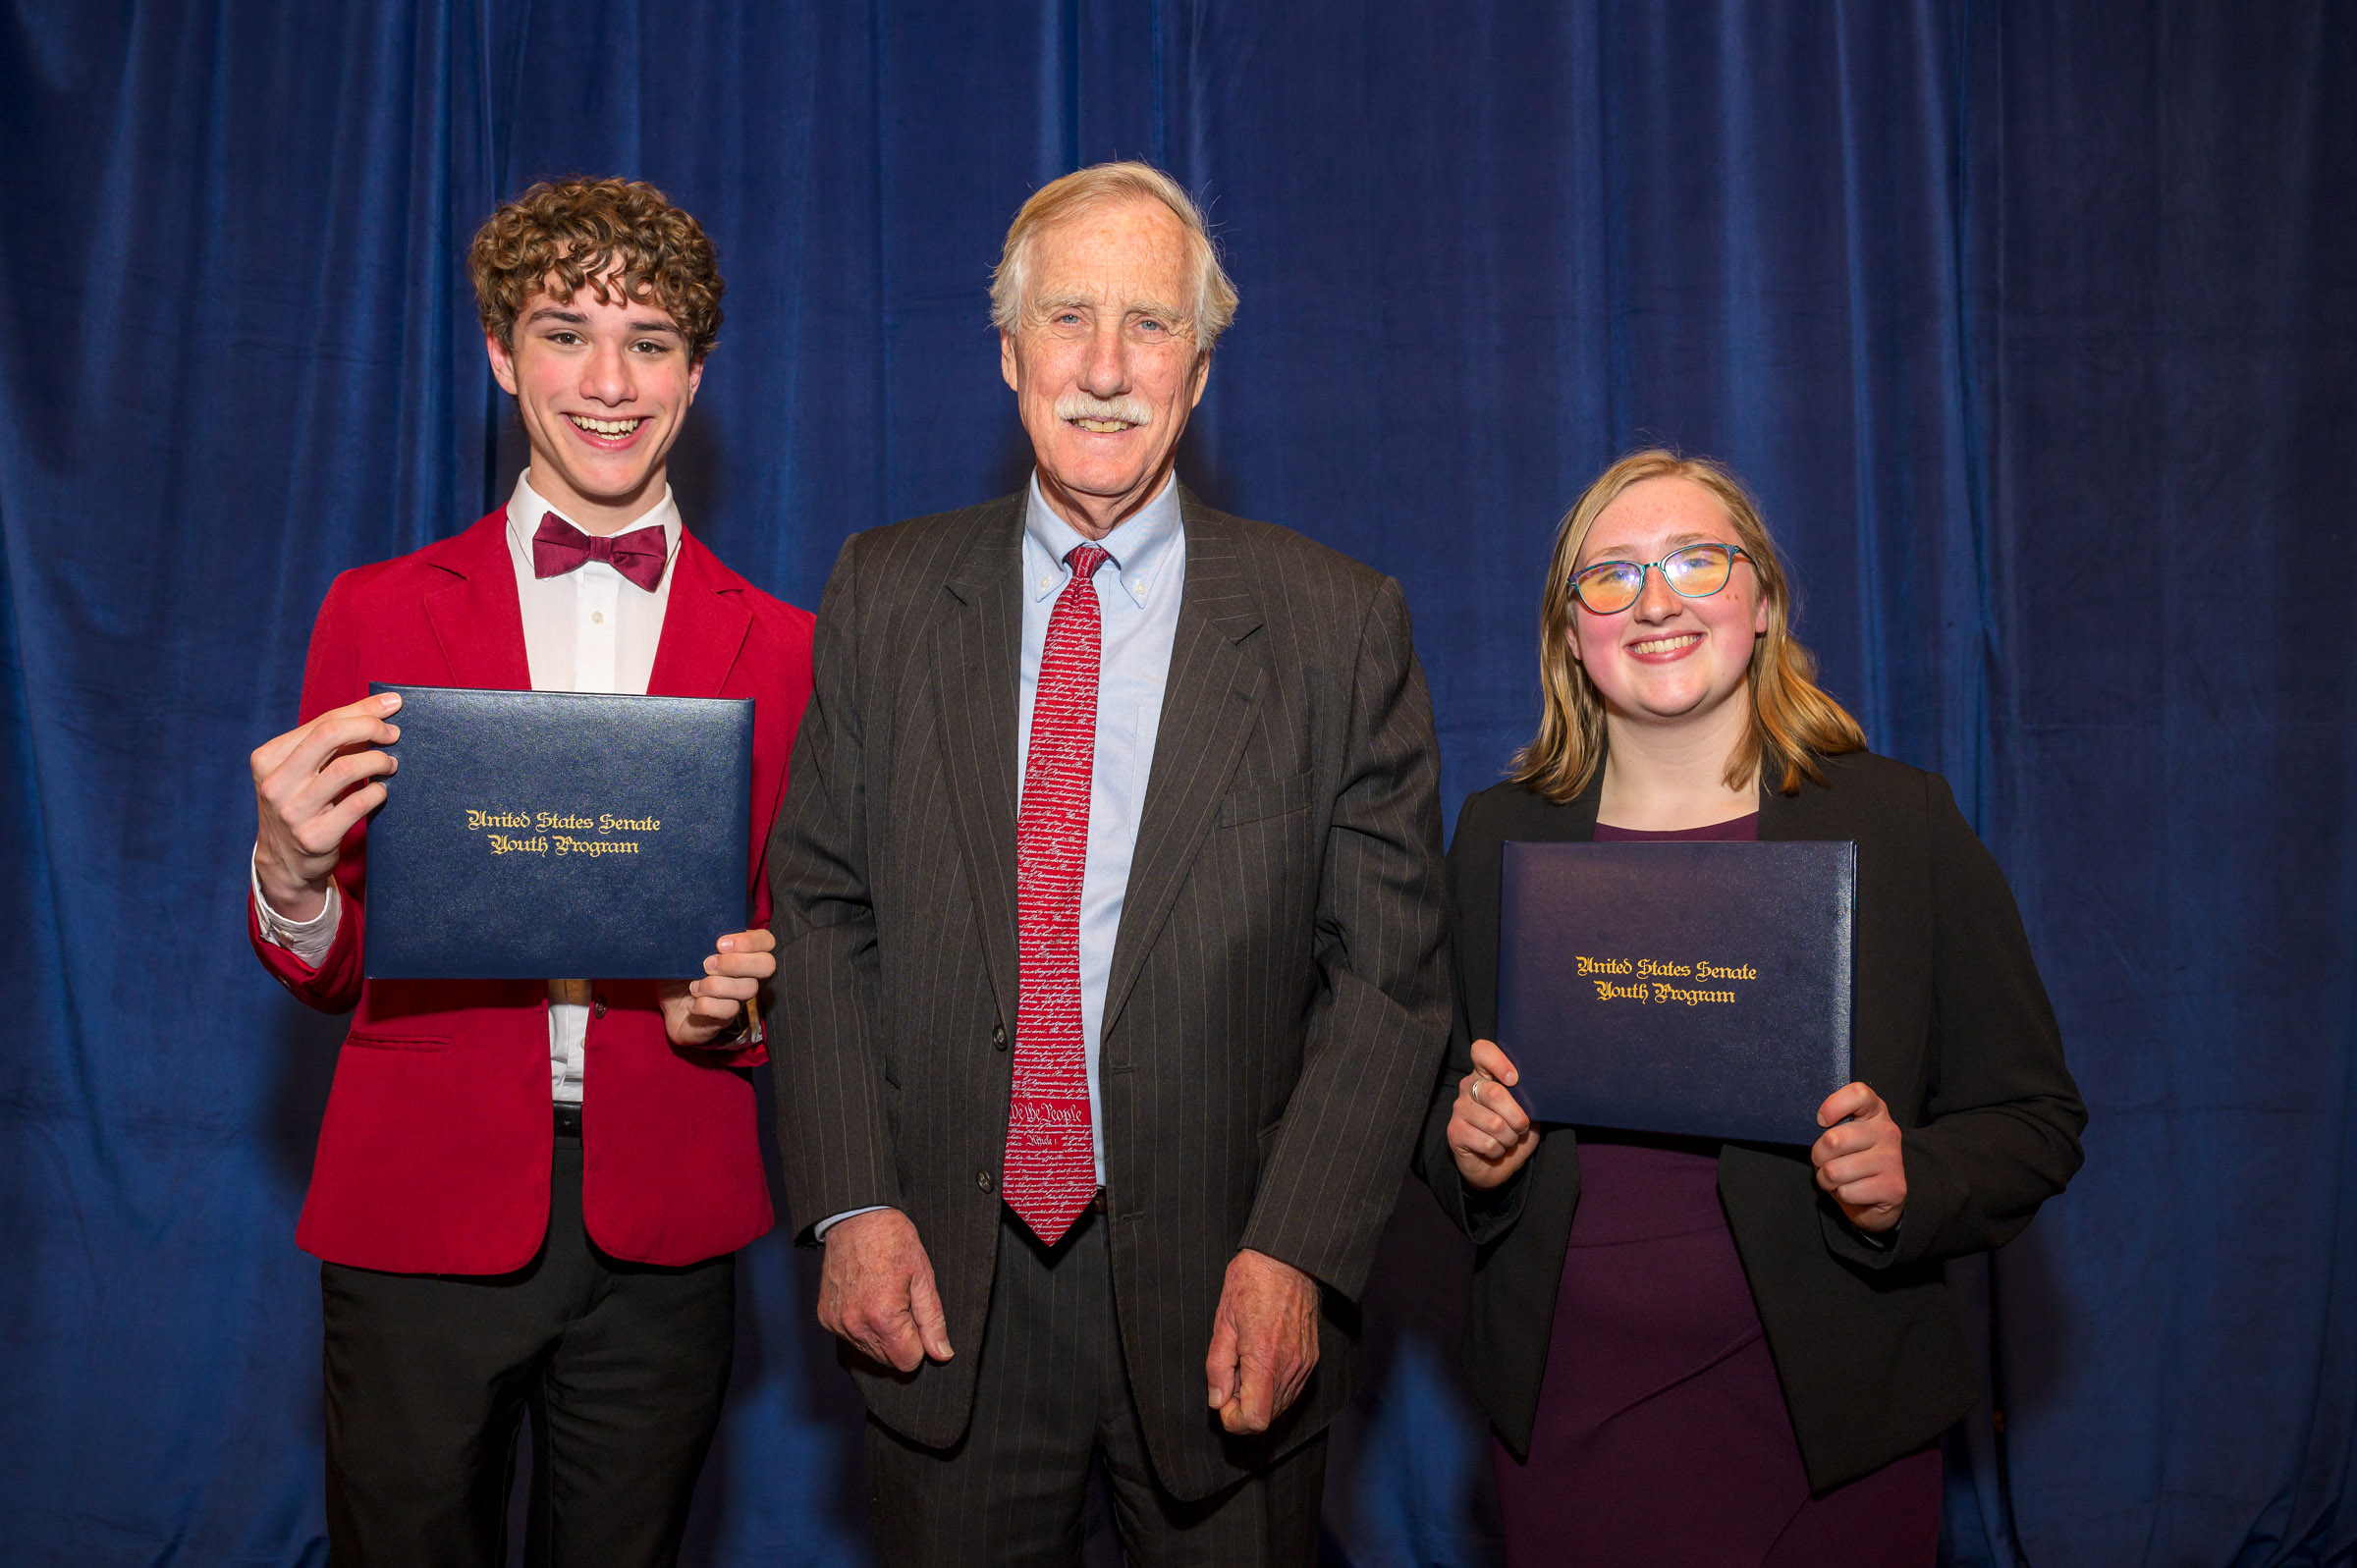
1696,572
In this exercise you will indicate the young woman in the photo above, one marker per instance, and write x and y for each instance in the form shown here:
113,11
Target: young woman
1712,1353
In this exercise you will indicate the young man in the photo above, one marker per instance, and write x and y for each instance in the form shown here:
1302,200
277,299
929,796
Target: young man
528,1193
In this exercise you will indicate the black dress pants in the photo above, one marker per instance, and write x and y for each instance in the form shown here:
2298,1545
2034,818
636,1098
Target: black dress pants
1052,1394
622,1366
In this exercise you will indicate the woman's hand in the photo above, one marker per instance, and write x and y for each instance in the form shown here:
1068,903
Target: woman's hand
699,1011
1858,1159
1489,1134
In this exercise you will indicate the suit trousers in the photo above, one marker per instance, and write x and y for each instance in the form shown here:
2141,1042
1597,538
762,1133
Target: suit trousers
1052,1397
623,1367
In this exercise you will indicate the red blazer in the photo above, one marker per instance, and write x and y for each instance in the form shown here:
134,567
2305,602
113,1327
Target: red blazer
434,1154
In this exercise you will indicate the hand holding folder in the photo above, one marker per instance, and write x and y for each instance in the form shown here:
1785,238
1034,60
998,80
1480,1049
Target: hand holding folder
534,834
1857,1158
718,1008
1489,1134
1695,988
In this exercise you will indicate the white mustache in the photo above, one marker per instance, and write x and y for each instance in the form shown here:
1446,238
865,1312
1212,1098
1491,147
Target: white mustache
1128,409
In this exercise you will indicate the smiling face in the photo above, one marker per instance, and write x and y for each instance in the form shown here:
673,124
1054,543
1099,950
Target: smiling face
1104,361
1668,661
602,388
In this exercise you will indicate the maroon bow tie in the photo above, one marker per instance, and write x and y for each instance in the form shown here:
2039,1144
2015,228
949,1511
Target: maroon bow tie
558,547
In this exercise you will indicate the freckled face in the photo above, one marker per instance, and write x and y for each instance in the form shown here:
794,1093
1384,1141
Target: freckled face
602,388
1103,361
1668,660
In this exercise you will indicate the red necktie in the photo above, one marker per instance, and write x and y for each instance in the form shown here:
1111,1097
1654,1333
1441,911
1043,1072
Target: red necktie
558,547
1051,1158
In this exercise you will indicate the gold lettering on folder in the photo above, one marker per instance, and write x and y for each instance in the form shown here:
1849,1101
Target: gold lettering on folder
1661,980
559,831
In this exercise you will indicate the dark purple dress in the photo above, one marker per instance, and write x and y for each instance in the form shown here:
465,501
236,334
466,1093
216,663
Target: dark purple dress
1661,1435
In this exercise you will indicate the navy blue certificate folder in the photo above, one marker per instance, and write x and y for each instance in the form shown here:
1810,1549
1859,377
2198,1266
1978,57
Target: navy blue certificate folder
1694,988
537,835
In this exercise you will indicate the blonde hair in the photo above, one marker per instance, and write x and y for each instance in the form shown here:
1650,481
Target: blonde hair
1793,721
1102,186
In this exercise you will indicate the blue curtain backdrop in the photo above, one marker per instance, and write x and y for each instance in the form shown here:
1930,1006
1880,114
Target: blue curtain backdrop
2034,325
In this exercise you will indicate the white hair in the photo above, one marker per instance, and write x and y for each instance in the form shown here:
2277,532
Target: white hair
1098,186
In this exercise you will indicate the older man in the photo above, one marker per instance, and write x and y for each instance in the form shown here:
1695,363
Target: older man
1109,943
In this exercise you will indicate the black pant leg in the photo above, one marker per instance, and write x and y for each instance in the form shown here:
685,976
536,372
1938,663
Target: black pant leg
1014,1490
630,1400
1269,1517
427,1378
1052,1390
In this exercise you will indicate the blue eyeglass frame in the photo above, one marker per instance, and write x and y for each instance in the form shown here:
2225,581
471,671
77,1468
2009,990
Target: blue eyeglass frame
1734,553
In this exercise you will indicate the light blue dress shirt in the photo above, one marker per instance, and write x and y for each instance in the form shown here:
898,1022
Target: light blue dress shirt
1137,602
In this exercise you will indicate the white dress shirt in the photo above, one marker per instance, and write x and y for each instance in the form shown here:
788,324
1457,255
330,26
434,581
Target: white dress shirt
590,629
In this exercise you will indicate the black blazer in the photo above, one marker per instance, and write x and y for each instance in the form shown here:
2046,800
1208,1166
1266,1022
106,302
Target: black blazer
1278,998
1953,1029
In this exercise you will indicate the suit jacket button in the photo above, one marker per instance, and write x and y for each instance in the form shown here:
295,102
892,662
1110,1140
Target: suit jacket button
597,1006
984,1181
998,1037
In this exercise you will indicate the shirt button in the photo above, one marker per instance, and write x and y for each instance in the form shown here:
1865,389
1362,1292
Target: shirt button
1043,582
998,1037
984,1181
597,1006
599,616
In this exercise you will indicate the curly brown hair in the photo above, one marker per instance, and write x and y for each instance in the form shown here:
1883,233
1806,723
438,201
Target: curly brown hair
568,233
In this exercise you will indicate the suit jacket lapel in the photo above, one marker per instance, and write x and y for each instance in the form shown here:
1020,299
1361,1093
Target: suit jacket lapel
1784,819
977,675
1816,814
1579,821
479,620
1210,702
704,625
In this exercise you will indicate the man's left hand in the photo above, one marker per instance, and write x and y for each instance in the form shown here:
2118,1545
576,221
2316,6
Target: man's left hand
696,1013
1858,1157
1264,1341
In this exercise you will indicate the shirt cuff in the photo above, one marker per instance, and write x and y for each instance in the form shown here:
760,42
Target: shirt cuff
818,1232
308,940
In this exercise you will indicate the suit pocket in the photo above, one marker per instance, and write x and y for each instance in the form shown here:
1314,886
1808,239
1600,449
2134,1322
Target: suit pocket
378,1040
1265,801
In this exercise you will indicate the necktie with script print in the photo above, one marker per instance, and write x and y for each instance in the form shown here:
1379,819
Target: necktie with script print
1051,1157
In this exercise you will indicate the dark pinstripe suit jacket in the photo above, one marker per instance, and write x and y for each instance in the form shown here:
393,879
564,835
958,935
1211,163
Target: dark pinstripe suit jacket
1278,999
